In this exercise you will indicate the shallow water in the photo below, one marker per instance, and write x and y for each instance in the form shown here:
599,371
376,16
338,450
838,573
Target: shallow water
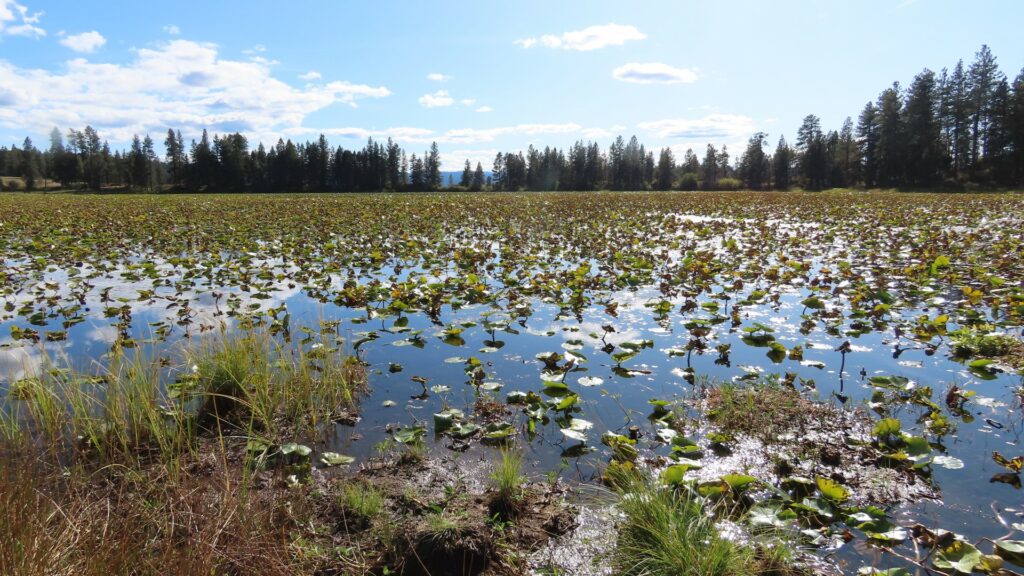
970,503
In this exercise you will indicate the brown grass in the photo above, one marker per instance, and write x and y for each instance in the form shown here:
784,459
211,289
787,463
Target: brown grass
120,522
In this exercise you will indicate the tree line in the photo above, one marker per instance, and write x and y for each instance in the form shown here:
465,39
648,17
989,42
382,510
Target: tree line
955,129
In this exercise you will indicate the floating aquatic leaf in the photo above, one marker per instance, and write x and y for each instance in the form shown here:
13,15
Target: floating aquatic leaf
296,449
463,430
960,556
1012,550
335,459
409,435
832,490
948,462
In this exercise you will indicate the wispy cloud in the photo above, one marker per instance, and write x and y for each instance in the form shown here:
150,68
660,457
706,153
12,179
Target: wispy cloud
311,75
654,73
714,127
454,136
484,109
438,77
438,99
15,20
86,42
172,29
591,38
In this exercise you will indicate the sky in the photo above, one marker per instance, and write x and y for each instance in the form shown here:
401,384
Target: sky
477,77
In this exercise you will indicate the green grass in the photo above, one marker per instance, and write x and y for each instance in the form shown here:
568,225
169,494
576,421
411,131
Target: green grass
136,408
362,500
664,533
250,381
507,477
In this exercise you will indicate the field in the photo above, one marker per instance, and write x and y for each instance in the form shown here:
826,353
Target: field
507,383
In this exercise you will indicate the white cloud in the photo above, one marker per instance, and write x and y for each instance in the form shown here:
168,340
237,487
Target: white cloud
484,109
180,84
257,49
596,133
172,29
84,42
454,136
438,77
15,20
438,99
654,73
456,159
311,75
591,38
711,128
467,101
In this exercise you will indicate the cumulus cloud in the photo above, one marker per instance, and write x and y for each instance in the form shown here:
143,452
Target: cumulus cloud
654,73
438,99
180,84
172,29
84,42
591,38
311,75
484,109
438,77
15,20
711,128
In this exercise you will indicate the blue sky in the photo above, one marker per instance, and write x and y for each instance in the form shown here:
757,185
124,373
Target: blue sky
475,76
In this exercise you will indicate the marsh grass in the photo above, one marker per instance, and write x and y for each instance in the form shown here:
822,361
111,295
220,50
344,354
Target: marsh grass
507,477
762,410
137,408
664,532
362,500
669,531
131,469
134,524
253,382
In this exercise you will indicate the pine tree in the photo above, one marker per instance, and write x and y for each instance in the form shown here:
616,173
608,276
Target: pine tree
1016,108
432,167
923,153
782,162
29,164
691,165
709,176
754,164
664,173
867,143
891,138
477,183
982,76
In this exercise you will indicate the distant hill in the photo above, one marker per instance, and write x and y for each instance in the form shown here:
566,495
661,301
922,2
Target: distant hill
457,177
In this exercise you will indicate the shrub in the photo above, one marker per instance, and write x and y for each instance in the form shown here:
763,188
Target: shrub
688,182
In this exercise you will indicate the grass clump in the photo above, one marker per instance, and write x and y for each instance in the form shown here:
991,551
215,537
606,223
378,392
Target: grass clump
362,500
763,410
665,532
252,382
507,478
